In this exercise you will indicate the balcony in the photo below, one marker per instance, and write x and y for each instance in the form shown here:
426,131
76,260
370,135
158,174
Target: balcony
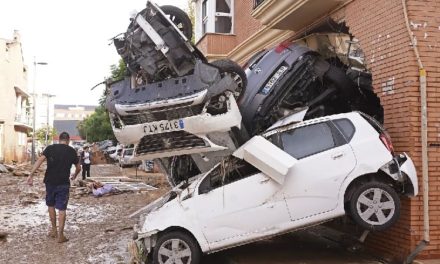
216,45
292,15
24,121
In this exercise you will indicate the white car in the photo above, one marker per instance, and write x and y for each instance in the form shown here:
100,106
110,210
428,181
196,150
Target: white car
293,176
126,158
185,132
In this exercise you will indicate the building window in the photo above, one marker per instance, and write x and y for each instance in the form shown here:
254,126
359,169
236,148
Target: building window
223,16
204,16
22,138
214,16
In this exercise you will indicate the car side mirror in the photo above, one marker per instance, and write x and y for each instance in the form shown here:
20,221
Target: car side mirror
266,157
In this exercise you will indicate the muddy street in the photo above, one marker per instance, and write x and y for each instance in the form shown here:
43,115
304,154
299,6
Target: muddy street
99,229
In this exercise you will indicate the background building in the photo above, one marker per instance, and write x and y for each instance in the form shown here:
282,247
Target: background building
45,110
15,118
67,118
391,34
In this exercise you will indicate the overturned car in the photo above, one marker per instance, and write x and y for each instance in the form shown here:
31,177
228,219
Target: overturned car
294,175
172,98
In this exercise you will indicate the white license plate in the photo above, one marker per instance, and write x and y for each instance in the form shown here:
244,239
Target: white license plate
163,126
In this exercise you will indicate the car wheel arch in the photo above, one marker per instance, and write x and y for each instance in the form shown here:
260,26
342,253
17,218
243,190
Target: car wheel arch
379,176
183,230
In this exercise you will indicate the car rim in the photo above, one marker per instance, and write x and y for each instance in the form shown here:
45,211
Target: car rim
239,81
174,251
375,206
179,24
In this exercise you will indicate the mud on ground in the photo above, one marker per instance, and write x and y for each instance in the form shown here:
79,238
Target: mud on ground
98,228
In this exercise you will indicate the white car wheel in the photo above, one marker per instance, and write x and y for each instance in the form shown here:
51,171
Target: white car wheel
176,247
375,206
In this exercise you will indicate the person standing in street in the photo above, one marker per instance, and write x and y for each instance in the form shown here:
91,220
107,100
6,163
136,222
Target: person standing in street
85,162
60,158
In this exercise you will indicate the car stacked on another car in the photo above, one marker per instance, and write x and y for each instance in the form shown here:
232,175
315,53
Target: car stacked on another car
173,100
294,175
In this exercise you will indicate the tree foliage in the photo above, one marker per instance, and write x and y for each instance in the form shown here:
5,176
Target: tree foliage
96,127
40,134
192,16
118,71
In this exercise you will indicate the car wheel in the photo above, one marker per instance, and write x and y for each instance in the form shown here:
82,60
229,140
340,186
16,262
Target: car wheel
180,19
176,247
237,73
375,206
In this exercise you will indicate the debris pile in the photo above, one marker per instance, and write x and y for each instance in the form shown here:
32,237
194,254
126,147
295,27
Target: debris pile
98,156
188,113
104,186
3,169
20,170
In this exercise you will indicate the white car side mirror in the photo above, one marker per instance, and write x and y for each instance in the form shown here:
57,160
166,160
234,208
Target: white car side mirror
267,157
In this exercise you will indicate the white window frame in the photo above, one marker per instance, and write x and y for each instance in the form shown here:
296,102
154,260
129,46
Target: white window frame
209,19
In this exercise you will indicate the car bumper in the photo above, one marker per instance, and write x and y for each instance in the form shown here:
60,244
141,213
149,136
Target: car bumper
407,167
195,129
193,99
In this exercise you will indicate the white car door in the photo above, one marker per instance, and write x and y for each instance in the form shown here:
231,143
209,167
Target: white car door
250,202
325,159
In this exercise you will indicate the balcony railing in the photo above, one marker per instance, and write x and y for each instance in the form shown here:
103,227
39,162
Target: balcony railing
24,119
257,3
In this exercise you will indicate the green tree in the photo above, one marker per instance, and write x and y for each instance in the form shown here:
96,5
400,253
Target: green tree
118,71
40,134
192,16
97,126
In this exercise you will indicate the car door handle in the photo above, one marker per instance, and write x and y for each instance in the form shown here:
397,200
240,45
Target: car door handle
337,155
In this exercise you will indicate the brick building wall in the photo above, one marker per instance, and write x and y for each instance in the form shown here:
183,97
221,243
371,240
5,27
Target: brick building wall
245,24
381,29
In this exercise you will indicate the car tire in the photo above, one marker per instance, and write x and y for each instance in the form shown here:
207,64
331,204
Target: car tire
375,206
173,245
238,74
180,19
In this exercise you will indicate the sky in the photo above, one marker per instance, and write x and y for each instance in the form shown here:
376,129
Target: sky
73,37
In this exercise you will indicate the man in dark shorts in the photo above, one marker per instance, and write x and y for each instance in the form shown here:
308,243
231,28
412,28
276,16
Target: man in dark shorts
60,158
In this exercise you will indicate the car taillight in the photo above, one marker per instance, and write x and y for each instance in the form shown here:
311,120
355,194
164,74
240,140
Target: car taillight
282,47
386,140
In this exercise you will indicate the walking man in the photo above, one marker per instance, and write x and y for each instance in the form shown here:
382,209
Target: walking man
85,162
60,158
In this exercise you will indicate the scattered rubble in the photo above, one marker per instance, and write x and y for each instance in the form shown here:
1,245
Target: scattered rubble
20,170
98,157
3,169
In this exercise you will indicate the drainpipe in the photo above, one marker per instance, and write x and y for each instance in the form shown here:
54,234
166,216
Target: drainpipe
424,135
